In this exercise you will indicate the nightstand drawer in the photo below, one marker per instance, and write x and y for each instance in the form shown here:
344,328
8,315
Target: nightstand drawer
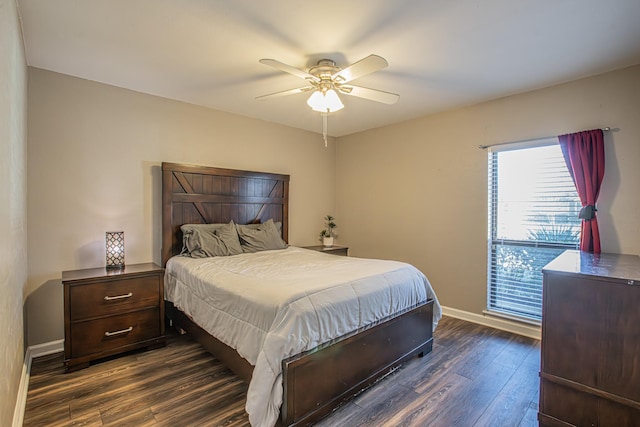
113,297
102,335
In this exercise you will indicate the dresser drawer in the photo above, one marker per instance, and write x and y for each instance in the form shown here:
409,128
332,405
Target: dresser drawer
102,335
581,408
113,297
569,405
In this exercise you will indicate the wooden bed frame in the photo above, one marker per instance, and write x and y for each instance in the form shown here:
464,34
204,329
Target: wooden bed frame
317,381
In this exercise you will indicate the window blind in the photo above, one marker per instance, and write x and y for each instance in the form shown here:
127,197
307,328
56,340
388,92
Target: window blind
533,217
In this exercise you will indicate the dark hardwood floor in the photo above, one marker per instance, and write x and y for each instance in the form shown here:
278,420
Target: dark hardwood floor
475,376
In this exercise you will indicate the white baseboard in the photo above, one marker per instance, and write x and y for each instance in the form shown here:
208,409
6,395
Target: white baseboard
31,353
23,388
46,349
494,322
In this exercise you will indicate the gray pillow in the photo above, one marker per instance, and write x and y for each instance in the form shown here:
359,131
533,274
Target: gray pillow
209,240
191,236
260,237
229,236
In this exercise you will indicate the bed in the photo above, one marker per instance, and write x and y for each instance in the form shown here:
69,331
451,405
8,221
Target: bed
312,376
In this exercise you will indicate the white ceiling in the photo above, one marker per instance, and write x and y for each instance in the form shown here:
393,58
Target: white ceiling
442,54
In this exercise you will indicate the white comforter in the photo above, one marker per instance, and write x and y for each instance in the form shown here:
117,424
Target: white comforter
274,304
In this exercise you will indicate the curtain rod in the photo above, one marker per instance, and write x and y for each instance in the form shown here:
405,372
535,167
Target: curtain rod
484,147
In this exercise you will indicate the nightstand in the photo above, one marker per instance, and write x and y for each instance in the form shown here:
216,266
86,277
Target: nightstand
107,312
334,250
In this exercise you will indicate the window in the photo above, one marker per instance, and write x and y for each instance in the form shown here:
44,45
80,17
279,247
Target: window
533,217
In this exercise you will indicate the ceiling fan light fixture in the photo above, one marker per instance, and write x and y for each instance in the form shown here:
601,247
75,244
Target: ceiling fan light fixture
325,103
333,101
316,101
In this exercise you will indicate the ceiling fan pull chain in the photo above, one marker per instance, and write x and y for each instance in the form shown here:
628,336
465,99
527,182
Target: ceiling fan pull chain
325,127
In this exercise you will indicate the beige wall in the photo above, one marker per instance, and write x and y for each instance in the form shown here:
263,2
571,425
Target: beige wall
13,206
417,191
94,154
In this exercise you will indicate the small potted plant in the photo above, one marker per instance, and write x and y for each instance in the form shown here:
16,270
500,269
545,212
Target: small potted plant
327,234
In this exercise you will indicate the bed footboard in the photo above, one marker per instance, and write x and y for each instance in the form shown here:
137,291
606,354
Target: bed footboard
316,382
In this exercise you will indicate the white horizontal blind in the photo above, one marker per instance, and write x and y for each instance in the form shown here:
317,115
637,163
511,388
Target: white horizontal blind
533,217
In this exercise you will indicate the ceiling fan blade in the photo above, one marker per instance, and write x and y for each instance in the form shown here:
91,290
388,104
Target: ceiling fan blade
371,94
289,69
285,92
361,68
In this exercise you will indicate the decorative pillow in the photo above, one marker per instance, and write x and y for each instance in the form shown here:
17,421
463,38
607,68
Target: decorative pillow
229,235
190,235
208,240
260,237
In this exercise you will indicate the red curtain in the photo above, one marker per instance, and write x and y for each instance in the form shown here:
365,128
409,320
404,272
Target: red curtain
584,154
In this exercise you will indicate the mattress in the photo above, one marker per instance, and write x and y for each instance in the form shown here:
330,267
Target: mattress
274,304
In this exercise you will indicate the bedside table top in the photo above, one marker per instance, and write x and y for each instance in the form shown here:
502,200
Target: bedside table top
102,272
322,248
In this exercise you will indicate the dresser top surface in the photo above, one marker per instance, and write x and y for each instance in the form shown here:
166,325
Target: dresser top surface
613,266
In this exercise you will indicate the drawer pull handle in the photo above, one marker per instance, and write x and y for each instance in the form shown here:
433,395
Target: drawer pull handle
123,331
108,298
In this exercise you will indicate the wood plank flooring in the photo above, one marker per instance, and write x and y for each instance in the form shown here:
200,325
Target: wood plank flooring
475,376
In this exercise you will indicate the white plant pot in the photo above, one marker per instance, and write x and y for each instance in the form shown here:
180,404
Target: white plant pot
327,241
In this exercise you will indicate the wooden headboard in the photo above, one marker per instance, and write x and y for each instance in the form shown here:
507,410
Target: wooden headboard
205,195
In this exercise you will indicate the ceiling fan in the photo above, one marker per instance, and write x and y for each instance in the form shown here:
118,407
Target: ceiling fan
326,80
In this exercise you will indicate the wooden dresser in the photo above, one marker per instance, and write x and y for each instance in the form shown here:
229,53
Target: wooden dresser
107,312
590,361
